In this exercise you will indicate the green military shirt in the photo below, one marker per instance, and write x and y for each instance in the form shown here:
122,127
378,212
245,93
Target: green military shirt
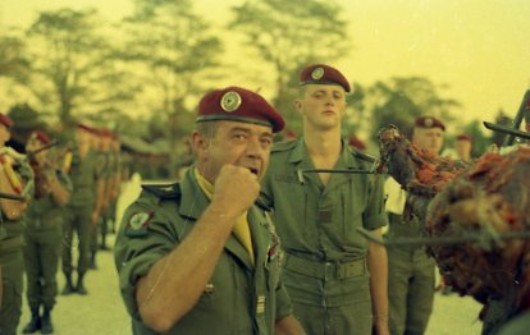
321,221
243,299
318,224
44,213
83,175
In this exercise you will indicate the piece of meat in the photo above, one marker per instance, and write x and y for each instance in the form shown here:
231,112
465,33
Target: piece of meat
487,198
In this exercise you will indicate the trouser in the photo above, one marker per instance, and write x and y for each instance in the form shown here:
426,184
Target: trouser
41,257
12,263
411,277
327,298
76,219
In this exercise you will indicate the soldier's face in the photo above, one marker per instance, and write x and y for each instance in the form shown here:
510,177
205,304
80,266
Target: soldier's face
322,106
429,139
241,144
4,135
463,148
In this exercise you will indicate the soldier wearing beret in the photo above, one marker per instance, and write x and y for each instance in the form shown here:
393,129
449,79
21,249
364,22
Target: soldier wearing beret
411,271
201,256
15,175
78,212
43,234
336,279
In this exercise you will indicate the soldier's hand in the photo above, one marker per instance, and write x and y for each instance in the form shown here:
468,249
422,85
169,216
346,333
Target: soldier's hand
236,189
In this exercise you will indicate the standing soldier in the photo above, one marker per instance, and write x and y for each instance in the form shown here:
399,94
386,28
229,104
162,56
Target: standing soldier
78,213
43,233
14,178
336,279
411,270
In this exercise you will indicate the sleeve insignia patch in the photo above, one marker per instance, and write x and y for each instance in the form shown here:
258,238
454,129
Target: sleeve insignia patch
137,224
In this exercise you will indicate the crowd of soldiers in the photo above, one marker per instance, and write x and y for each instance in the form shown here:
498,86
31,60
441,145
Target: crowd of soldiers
56,193
256,238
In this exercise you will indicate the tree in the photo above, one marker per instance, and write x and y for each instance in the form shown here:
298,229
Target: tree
71,68
401,100
13,63
289,35
177,53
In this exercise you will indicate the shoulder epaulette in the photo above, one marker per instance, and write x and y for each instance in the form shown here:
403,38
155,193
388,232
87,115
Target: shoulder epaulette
283,146
163,191
363,156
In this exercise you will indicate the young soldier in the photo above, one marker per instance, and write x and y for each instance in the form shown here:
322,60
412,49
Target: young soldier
43,234
411,270
199,257
335,278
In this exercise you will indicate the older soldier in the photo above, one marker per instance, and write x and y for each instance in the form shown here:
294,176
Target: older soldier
43,233
335,278
411,270
199,257
14,175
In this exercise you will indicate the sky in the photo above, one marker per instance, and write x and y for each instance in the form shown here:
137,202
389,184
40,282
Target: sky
480,49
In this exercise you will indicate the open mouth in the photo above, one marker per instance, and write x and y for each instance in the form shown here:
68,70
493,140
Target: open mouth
254,170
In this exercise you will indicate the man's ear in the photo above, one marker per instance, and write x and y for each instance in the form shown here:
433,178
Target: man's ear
199,142
297,104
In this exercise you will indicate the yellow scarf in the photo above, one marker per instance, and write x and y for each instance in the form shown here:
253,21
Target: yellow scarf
241,230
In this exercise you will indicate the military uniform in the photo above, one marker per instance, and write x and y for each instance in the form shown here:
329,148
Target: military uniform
240,299
77,214
12,263
325,269
43,237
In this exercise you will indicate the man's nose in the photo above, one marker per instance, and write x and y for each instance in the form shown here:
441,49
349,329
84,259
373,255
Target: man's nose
254,148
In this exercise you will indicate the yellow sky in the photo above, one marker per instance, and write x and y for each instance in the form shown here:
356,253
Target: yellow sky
480,48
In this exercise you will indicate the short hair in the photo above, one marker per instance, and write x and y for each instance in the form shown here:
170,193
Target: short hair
208,129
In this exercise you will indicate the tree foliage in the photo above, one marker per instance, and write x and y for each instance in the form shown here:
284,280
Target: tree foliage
289,35
69,63
400,100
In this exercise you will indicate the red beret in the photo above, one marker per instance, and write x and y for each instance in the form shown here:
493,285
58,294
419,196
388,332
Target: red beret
85,127
238,104
356,143
323,74
6,121
41,136
464,137
429,122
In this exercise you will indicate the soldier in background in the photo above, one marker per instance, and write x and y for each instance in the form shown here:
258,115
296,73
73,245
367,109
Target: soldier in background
411,271
78,213
100,143
15,179
43,234
463,147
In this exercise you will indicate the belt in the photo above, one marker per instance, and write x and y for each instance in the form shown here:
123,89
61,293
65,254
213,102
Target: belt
326,270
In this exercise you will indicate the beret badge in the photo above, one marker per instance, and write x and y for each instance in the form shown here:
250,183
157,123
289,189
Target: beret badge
317,73
230,101
429,122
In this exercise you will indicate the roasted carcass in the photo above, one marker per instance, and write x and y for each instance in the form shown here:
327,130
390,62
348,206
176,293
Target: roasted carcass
487,199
